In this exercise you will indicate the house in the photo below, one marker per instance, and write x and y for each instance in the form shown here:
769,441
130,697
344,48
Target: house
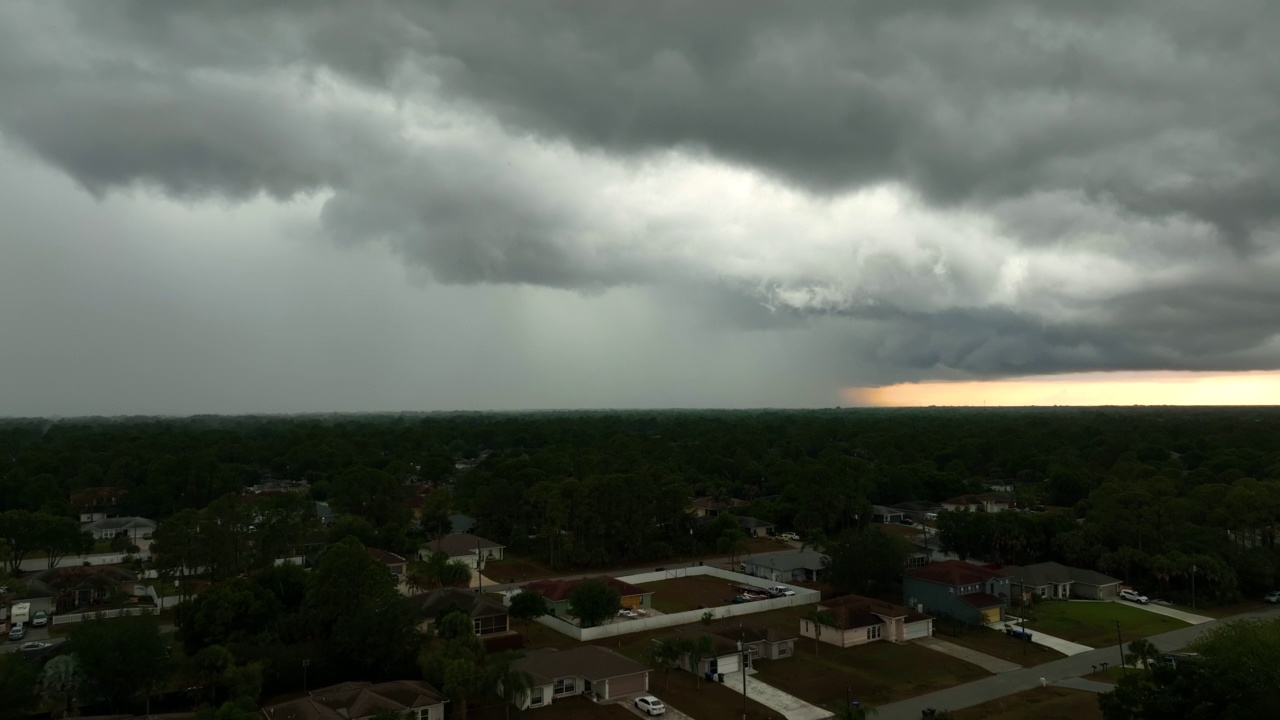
488,616
709,507
957,589
394,563
755,528
410,699
763,643
79,586
97,503
918,510
726,656
985,502
882,514
557,593
857,620
787,566
582,669
465,547
1054,580
134,528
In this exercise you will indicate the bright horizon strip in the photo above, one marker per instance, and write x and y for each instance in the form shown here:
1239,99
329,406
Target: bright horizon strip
1082,389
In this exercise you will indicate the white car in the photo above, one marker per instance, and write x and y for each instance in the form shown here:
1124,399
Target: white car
788,536
650,705
781,591
33,646
1134,596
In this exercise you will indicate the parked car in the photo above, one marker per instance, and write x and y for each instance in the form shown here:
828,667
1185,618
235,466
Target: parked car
1272,597
650,705
1134,596
906,521
17,632
781,591
40,619
33,646
789,536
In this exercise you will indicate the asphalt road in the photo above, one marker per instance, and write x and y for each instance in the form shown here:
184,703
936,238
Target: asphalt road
1076,666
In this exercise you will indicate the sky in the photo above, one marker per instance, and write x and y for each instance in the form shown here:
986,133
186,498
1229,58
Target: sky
303,206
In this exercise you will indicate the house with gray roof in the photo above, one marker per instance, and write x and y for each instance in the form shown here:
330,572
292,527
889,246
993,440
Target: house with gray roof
787,566
134,528
755,527
1058,581
465,547
583,669
362,700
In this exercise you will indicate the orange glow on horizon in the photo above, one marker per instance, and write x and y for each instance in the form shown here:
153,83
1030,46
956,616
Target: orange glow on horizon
1083,389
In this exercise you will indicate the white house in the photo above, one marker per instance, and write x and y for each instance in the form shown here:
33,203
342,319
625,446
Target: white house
134,528
468,548
857,620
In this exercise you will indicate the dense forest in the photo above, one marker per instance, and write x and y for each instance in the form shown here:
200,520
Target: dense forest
1161,493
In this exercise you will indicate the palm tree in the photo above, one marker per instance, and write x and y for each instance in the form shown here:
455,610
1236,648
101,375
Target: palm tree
697,649
500,677
665,654
1142,652
61,681
819,618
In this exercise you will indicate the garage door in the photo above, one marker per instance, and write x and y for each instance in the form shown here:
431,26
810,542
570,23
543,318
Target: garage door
991,615
627,685
918,629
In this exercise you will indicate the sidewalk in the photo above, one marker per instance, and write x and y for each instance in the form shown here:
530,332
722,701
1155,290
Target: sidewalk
791,707
1092,686
1182,615
1066,647
986,662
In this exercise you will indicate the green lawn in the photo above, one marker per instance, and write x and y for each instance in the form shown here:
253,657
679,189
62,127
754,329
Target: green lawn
514,568
1112,674
997,644
878,673
1094,623
1051,703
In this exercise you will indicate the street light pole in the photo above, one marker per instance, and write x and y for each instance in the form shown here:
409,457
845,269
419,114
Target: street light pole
742,648
1120,643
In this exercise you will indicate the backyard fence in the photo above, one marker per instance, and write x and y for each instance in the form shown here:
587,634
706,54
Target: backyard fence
803,596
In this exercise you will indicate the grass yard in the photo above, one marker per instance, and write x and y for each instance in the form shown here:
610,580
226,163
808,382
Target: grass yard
1094,623
687,593
1051,703
1112,674
997,644
878,673
514,568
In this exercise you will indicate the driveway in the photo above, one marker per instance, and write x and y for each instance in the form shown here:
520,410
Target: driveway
791,707
33,634
1182,615
1066,647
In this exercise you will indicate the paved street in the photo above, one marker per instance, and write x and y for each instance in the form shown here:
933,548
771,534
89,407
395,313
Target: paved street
33,634
1076,666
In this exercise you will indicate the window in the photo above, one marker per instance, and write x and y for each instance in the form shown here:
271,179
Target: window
535,696
784,651
873,632
490,625
564,686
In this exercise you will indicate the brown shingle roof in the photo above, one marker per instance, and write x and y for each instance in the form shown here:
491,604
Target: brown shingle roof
588,661
954,573
981,600
854,611
470,602
384,557
356,700
557,590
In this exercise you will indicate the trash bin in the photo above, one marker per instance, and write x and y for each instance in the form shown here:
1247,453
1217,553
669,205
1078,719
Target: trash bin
719,677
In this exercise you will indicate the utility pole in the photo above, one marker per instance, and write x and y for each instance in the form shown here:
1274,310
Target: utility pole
1193,587
1120,644
742,647
306,662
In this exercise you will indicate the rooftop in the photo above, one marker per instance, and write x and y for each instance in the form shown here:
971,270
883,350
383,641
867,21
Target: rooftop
752,523
588,661
954,573
788,560
475,604
357,700
121,523
1048,573
460,544
853,611
384,557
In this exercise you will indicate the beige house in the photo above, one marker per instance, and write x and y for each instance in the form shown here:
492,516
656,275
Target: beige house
858,620
465,547
409,699
603,673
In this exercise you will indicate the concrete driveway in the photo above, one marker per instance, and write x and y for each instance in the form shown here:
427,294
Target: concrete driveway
1174,613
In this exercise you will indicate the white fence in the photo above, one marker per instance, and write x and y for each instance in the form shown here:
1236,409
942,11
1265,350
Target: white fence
80,617
803,596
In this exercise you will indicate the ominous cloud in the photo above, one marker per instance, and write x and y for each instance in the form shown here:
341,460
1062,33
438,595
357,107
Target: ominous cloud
990,187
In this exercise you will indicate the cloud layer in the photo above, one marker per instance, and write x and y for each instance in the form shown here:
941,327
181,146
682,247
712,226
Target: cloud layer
984,188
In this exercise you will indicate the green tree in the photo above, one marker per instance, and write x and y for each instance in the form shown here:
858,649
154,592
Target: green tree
18,683
62,681
177,550
354,607
1143,653
867,561
664,655
526,607
697,649
123,658
819,619
60,537
458,664
232,611
593,602
19,536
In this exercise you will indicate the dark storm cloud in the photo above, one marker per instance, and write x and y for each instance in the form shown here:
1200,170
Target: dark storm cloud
1141,134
